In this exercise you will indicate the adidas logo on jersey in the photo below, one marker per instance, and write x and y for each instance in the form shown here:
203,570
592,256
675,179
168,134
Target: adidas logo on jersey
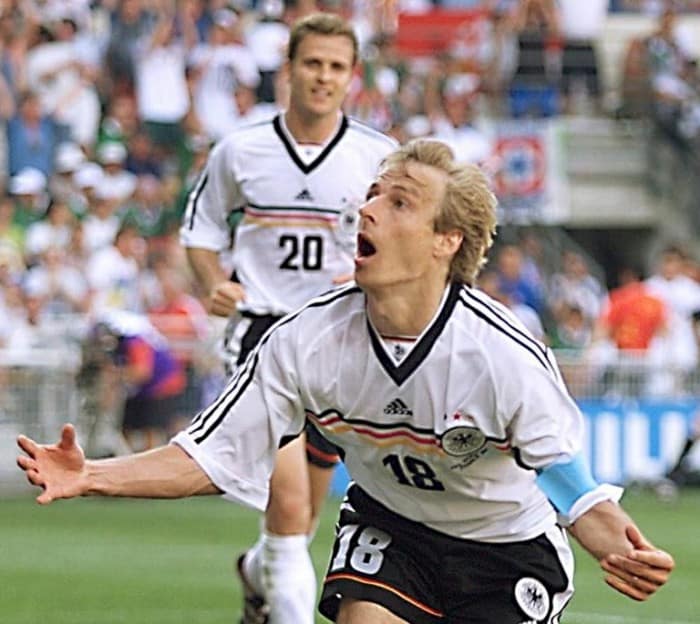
304,195
398,408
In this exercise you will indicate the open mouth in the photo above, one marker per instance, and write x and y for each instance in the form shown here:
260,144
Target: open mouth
364,247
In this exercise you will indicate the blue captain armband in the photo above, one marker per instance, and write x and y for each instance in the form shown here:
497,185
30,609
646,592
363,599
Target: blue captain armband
571,488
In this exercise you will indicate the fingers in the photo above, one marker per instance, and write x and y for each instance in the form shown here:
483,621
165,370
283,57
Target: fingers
44,498
626,589
26,463
654,558
639,575
67,437
634,535
27,445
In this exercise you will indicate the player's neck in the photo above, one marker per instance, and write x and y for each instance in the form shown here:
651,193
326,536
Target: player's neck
311,128
405,309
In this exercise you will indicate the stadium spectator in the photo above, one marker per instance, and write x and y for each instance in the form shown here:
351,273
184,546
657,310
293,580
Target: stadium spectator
116,183
581,25
101,223
161,88
457,122
28,189
276,176
130,22
64,79
631,322
575,286
681,295
267,39
140,159
217,67
490,282
53,230
69,158
113,273
534,89
514,282
182,320
121,121
632,316
11,234
62,286
32,137
139,359
418,243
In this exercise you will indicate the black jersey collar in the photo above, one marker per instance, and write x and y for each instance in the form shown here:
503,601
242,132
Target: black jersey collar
284,137
421,350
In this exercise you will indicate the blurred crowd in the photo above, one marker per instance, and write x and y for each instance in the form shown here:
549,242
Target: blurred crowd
110,107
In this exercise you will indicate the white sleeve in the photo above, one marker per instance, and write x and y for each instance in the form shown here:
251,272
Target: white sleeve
544,423
235,439
211,200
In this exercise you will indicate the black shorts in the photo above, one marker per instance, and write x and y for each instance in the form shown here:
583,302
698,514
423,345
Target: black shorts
240,339
148,412
579,62
427,577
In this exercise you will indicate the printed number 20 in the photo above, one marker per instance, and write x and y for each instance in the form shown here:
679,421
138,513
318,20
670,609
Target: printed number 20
310,250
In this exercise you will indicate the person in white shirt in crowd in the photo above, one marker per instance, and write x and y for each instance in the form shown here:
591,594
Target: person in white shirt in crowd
681,294
458,489
86,180
161,87
54,230
218,66
114,274
267,40
101,223
117,183
62,286
575,285
456,121
68,159
65,81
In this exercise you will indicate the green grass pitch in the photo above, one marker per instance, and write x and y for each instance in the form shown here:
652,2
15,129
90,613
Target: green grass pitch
96,561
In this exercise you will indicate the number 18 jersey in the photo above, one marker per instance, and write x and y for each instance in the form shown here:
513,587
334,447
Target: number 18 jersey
298,213
451,436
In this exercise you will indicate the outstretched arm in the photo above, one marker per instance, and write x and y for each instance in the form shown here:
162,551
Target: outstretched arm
62,471
634,566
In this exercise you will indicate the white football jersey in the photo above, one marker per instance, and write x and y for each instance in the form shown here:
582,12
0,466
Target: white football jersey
299,217
449,436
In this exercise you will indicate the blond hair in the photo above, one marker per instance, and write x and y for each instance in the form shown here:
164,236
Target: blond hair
467,206
327,24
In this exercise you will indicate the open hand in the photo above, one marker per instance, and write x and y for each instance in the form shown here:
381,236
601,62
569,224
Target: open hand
641,572
59,469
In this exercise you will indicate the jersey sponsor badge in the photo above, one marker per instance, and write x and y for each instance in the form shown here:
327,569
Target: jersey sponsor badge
461,441
532,597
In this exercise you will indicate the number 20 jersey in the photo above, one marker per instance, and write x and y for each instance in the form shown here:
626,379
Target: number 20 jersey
449,436
298,223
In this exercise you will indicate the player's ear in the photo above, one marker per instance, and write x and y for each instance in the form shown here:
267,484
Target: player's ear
447,243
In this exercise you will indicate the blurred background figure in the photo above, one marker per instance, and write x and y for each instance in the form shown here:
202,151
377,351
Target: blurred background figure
139,372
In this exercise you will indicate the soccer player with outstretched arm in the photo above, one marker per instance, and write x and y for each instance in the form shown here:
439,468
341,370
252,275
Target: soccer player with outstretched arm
463,444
